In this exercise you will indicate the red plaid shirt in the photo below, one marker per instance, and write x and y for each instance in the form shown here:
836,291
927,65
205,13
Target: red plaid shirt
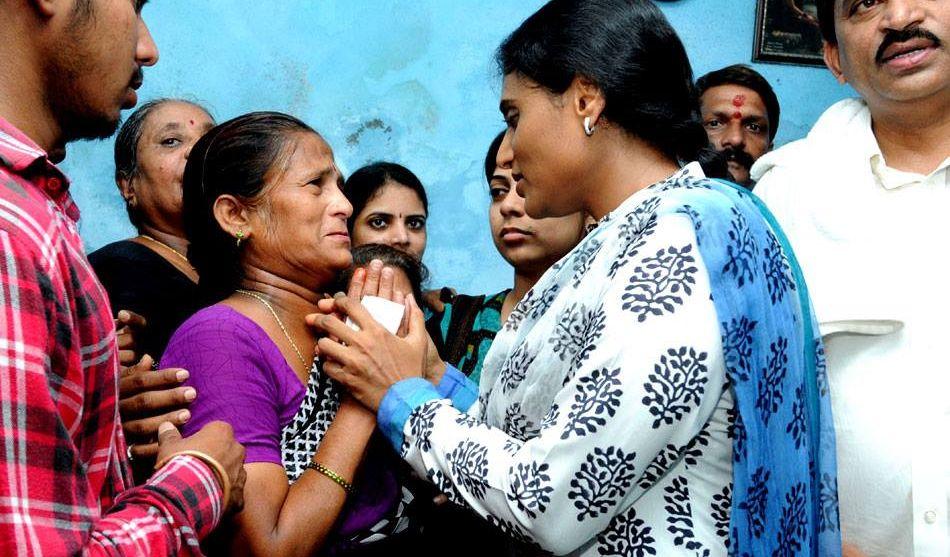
65,485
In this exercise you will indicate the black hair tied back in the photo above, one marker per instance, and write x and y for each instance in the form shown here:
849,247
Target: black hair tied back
233,158
630,51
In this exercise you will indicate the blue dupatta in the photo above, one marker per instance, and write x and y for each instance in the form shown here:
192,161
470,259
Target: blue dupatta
784,468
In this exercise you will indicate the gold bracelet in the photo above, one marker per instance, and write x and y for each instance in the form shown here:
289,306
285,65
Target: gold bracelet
219,471
337,479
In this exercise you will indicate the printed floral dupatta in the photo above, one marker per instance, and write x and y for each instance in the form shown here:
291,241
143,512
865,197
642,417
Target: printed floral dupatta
784,493
764,460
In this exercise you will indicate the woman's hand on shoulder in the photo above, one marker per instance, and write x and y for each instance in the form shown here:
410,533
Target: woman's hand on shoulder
436,299
148,398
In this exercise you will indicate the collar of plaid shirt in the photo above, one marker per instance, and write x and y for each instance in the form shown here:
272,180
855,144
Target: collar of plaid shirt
21,156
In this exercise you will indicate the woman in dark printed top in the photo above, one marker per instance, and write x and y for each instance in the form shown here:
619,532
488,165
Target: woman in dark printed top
149,273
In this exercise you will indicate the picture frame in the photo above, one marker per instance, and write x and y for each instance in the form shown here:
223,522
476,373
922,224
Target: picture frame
786,32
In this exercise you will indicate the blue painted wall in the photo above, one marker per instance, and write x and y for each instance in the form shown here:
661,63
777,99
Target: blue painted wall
406,81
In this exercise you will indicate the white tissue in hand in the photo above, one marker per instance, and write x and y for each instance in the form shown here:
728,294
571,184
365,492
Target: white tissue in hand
386,313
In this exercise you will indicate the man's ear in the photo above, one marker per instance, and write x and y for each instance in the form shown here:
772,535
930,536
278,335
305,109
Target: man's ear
232,216
832,56
587,99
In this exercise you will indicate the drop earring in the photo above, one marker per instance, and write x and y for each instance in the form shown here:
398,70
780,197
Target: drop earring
587,127
240,238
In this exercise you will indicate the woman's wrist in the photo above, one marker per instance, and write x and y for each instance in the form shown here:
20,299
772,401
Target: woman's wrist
435,372
353,414
333,476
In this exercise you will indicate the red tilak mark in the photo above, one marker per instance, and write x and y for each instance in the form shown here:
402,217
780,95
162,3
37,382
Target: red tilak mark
737,115
738,100
192,122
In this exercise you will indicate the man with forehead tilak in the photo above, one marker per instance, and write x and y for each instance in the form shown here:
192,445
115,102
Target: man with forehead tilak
740,114
863,199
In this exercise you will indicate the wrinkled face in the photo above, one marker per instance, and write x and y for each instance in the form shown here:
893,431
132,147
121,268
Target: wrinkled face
299,225
94,66
168,134
396,217
892,50
543,144
529,245
737,124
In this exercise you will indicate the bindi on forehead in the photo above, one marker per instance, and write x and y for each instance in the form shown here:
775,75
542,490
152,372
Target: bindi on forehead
737,115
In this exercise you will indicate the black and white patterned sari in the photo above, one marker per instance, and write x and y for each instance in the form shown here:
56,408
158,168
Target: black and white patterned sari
379,508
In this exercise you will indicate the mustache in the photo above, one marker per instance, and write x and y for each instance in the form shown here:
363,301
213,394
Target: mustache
137,78
738,156
902,36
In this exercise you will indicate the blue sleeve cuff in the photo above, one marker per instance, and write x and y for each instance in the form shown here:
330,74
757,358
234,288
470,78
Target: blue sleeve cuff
399,402
461,390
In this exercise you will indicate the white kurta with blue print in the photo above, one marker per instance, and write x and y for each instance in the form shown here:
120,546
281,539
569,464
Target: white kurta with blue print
635,384
603,425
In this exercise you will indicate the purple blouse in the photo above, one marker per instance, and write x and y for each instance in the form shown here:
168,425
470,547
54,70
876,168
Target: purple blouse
241,378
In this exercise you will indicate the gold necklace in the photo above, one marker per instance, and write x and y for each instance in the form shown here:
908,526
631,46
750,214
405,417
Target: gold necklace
280,323
168,247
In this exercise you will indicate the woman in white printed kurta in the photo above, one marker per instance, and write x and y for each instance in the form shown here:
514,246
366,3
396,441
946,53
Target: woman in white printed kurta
660,390
599,402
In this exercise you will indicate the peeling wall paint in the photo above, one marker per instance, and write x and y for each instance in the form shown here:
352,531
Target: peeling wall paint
411,82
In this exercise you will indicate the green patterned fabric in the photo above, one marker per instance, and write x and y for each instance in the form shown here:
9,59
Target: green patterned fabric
469,325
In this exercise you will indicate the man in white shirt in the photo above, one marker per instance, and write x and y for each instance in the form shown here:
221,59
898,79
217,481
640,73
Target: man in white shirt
864,200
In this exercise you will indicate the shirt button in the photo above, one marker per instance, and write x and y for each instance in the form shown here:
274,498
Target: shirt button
930,517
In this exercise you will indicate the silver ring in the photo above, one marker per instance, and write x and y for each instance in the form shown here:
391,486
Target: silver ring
128,451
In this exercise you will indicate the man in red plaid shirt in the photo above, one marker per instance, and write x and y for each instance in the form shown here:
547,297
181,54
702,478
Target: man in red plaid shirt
66,69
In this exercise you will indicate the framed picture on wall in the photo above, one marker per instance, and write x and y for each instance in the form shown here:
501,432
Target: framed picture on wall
786,32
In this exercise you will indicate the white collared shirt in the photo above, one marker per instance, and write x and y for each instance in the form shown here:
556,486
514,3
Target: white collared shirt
872,241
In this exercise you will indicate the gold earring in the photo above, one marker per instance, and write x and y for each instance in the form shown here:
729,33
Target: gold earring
240,238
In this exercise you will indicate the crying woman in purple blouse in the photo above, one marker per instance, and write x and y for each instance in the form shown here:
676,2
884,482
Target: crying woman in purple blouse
266,222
